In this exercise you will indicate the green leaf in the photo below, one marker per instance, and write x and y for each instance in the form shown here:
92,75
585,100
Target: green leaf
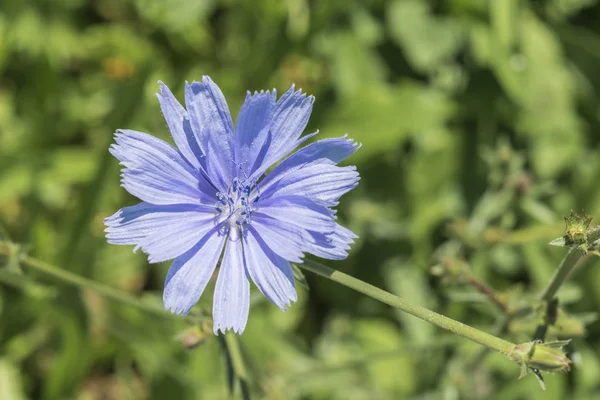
355,66
427,40
382,117
560,242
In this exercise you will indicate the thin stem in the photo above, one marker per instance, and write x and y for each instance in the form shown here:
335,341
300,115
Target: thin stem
463,275
236,355
562,272
488,291
237,361
425,314
26,262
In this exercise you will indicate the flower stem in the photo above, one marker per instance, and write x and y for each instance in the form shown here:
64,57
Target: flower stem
237,359
562,272
490,341
234,352
26,262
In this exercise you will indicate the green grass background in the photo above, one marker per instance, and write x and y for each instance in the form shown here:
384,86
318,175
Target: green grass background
480,124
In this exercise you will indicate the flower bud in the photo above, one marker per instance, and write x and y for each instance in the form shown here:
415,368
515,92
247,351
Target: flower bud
537,356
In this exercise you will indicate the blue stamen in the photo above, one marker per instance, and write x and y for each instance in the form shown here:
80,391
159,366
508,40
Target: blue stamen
234,205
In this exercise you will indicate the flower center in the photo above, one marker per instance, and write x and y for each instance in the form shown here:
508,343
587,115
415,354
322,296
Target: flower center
234,206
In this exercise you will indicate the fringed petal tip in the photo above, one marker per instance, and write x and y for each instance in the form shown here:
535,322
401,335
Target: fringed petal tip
351,140
206,80
222,330
272,92
172,309
293,298
299,92
163,90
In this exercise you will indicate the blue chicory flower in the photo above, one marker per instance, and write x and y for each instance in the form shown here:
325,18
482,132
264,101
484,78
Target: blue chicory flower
210,197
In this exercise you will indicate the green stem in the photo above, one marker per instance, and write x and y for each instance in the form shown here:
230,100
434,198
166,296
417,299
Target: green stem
236,355
488,291
490,341
26,262
562,272
237,361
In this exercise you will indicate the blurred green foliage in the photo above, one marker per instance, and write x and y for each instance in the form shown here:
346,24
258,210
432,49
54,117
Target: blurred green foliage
479,122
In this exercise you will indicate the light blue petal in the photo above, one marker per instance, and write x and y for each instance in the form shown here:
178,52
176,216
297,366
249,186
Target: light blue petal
252,131
290,241
179,126
161,231
211,123
299,211
232,291
326,151
289,119
287,240
321,182
157,173
190,273
270,273
333,246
